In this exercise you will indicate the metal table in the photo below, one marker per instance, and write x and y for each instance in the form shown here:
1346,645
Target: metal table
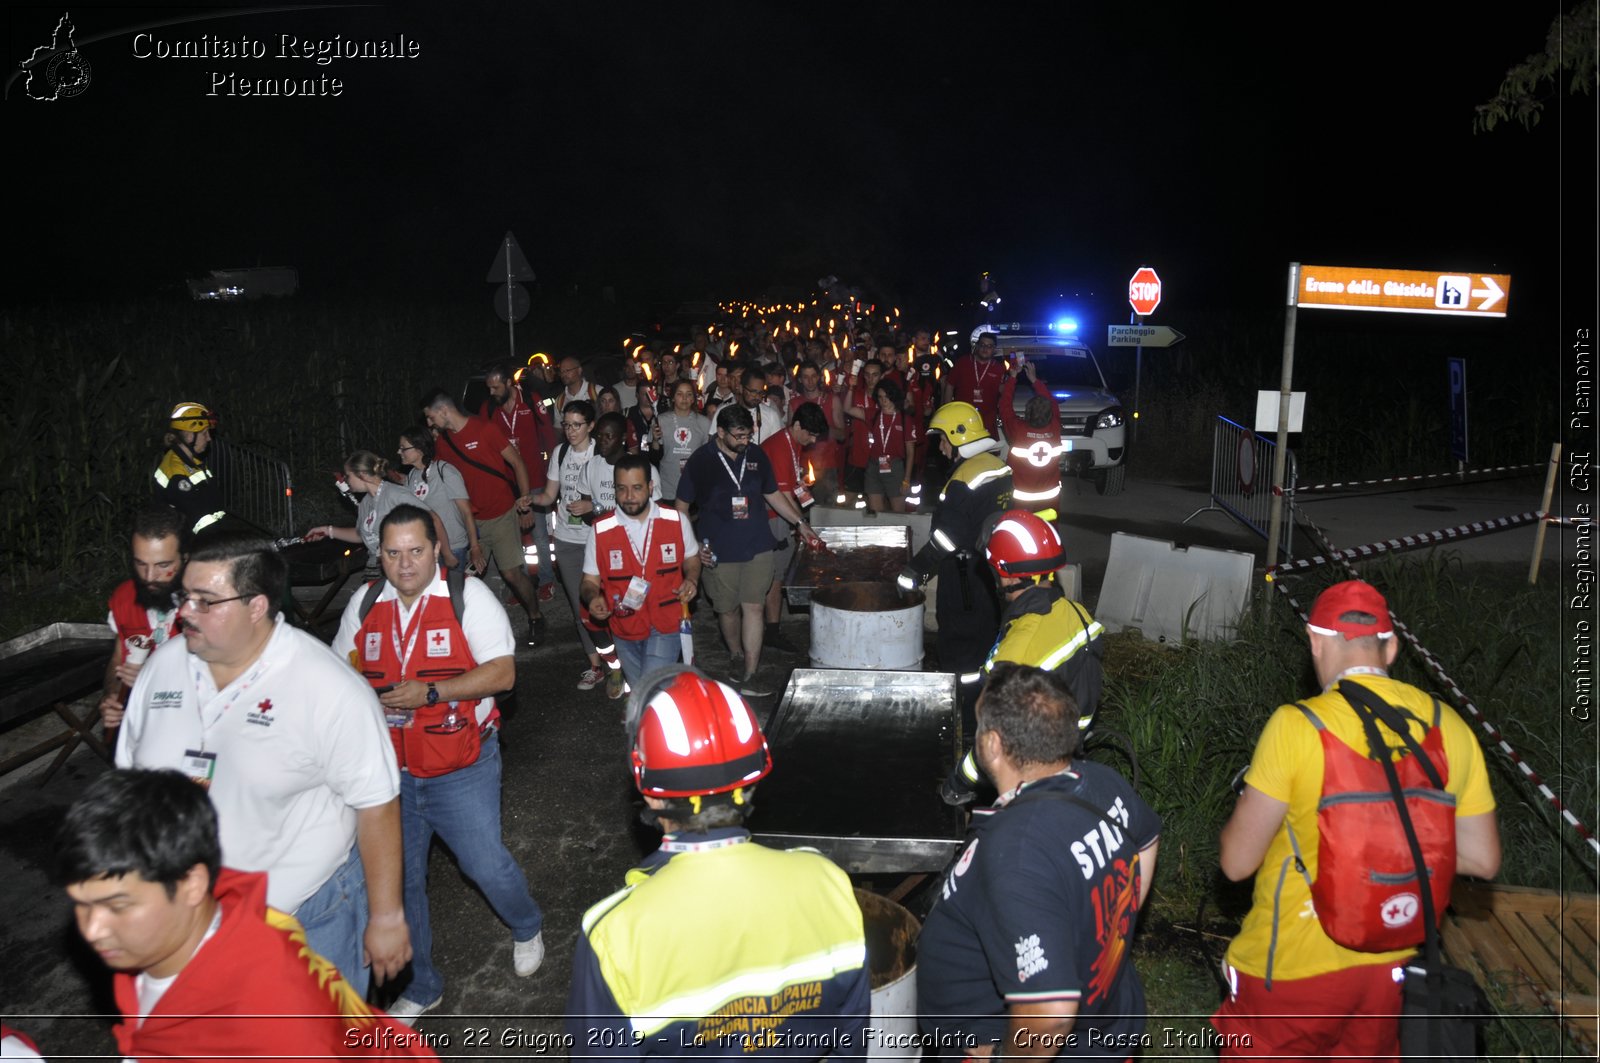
857,758
51,667
851,554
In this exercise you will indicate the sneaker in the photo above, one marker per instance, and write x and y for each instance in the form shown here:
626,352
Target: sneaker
751,687
590,679
407,1012
547,591
536,630
526,956
614,684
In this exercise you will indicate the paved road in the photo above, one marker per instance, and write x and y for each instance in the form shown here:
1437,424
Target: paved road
570,811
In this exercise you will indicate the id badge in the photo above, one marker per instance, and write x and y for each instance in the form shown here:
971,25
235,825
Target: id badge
199,766
638,587
401,718
802,495
741,507
885,463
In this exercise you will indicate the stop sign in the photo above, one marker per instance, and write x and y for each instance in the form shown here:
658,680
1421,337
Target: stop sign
1144,291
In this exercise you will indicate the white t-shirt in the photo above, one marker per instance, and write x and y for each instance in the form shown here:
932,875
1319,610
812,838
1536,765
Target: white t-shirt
635,529
483,622
768,422
572,475
600,476
300,745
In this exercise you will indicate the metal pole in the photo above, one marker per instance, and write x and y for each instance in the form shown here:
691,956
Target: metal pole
1544,512
511,316
1280,458
1138,373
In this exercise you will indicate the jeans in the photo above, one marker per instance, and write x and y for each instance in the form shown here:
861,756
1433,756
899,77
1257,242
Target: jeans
654,651
463,808
570,557
335,921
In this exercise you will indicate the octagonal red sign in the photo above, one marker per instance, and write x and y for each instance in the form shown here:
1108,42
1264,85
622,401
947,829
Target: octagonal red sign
1144,291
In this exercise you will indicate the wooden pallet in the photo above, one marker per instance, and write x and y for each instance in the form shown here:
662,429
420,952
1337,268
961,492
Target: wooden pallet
1537,948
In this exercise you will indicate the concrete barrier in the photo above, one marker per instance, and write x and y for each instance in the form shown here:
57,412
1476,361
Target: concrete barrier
1172,593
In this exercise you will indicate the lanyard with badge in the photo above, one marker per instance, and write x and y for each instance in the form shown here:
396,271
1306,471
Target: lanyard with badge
886,459
201,764
633,599
802,493
980,378
403,718
739,503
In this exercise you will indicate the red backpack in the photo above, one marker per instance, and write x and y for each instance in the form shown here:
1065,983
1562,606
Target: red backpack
1366,893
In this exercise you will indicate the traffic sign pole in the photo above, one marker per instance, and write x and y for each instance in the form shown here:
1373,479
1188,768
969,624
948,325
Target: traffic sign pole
511,315
1138,376
1280,457
1144,295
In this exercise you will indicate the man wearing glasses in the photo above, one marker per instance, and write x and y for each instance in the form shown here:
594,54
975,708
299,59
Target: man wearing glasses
976,378
766,418
290,743
727,479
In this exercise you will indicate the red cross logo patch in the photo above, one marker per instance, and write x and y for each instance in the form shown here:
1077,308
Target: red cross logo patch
439,642
265,704
1041,454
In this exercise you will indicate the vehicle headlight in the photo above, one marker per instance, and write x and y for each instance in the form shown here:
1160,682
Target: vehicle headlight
1111,418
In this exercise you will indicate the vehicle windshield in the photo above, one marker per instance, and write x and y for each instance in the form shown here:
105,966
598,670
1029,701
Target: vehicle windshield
1064,367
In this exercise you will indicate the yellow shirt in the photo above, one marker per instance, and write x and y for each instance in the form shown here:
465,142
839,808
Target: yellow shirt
1287,766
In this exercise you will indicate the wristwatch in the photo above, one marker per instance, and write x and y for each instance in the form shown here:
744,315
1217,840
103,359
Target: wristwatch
433,694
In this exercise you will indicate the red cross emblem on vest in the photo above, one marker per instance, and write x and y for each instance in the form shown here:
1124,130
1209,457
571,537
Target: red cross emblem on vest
1040,454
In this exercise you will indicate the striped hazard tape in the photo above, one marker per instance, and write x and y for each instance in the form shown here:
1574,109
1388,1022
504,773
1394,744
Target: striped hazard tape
1460,698
1405,542
1493,470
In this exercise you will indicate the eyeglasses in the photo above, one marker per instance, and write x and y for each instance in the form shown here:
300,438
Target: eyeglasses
741,436
405,447
204,605
570,425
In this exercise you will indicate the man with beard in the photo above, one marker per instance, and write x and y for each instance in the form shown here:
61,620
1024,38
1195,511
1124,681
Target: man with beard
183,480
640,568
530,430
291,745
727,478
143,609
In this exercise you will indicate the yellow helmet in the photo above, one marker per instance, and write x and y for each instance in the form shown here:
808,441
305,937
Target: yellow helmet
960,422
191,417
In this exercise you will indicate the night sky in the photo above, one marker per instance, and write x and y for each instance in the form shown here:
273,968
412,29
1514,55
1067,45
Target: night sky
681,150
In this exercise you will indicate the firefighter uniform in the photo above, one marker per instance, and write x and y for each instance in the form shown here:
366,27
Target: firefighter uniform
190,486
1045,629
978,490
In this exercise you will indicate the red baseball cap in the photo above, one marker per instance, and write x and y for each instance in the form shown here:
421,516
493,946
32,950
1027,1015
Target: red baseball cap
1351,596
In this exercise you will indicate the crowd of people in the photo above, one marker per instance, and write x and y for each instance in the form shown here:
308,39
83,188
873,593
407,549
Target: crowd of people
238,834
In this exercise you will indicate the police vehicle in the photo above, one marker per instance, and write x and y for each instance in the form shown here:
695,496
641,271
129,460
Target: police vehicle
1093,423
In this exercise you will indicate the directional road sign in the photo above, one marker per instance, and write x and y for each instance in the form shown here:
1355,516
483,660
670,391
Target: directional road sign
1144,291
1404,291
1146,335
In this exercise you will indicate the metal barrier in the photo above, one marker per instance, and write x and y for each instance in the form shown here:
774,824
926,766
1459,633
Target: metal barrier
255,488
1241,482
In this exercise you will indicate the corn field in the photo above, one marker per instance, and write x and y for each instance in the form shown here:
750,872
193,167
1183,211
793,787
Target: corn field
301,381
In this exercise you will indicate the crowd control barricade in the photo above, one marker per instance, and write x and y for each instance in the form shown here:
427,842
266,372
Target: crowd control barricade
1241,482
255,488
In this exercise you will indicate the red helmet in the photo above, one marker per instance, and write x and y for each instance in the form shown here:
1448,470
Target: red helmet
692,735
1023,544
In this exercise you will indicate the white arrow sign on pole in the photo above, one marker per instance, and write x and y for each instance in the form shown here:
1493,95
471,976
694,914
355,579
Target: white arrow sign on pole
1146,335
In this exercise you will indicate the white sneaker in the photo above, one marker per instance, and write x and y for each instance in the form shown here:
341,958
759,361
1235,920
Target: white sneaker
526,956
407,1012
590,679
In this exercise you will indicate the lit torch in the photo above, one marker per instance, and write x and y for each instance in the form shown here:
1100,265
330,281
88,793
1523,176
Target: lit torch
649,387
811,474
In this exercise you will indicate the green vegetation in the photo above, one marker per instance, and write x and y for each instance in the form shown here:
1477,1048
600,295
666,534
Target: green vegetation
1193,713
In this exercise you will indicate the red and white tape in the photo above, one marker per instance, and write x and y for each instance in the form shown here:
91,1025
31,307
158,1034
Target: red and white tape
1405,542
1341,484
1431,663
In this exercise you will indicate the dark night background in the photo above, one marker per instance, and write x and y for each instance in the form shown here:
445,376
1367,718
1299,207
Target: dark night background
710,150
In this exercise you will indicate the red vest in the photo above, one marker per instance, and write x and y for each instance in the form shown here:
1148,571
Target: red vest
614,556
441,738
1034,454
131,617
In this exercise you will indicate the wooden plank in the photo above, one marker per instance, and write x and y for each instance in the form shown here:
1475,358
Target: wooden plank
1541,960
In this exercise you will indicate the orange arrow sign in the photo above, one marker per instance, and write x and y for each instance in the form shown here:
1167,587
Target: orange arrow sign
1403,291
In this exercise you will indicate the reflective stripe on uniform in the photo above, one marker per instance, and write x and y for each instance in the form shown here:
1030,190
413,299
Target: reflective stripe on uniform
1019,495
987,475
208,520
653,1016
943,541
1071,646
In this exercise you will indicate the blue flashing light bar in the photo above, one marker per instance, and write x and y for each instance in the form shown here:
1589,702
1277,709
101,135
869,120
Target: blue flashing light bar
1066,324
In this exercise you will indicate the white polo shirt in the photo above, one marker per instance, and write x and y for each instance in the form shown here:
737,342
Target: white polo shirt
300,745
483,622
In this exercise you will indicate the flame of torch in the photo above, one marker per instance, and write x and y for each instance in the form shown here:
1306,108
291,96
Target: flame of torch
811,474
